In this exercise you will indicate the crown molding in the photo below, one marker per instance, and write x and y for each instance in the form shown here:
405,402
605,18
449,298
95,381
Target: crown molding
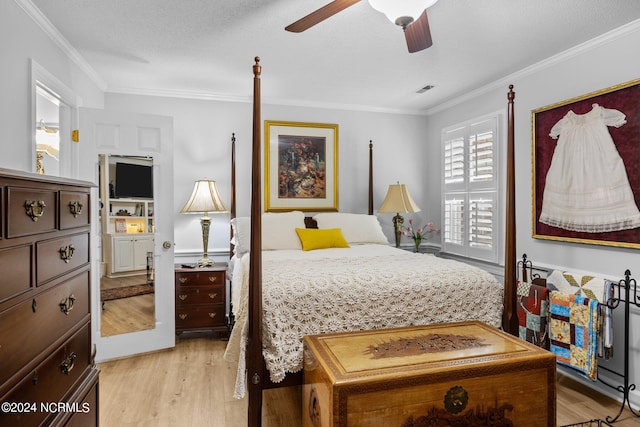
265,100
546,63
52,32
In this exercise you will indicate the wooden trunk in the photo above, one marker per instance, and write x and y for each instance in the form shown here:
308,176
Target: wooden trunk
465,373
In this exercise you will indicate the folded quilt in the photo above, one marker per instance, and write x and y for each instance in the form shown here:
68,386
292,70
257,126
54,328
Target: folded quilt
594,288
532,313
573,323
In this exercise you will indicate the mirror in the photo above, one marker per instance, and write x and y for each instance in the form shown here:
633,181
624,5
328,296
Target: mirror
47,132
127,294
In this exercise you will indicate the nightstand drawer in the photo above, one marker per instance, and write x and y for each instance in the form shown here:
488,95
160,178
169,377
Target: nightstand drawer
199,295
197,277
200,316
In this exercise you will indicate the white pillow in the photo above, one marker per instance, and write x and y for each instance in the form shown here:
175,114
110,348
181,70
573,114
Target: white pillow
279,230
356,228
241,234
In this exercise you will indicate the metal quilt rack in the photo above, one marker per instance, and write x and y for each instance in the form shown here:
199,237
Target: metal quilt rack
631,296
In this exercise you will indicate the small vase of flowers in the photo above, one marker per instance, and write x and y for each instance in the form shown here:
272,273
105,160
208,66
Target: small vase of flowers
419,234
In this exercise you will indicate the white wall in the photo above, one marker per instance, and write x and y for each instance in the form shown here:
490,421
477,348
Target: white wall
604,62
202,148
23,40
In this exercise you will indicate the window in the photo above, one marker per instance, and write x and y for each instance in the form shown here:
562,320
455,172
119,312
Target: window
470,189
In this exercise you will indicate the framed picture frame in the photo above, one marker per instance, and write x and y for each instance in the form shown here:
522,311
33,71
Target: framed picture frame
301,166
121,225
586,180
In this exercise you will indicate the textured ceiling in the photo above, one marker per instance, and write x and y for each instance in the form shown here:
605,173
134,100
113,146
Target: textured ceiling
356,59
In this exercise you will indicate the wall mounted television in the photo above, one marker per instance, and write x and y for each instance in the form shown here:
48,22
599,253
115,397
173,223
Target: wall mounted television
133,181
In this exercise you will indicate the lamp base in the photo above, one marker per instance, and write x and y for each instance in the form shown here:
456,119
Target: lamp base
397,226
205,262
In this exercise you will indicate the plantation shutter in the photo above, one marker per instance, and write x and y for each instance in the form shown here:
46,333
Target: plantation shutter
469,159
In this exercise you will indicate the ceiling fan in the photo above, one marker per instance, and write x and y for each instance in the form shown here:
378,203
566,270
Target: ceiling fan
411,15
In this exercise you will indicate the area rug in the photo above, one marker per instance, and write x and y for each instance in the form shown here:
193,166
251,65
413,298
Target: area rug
125,292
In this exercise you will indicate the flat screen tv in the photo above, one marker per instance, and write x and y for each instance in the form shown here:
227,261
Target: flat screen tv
133,181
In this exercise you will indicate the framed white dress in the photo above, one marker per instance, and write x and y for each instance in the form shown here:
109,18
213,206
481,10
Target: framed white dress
587,188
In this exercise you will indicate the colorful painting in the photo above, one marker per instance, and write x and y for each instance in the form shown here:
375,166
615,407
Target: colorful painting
301,166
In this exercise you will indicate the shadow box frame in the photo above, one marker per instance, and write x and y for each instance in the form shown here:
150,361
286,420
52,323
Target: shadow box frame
624,97
284,179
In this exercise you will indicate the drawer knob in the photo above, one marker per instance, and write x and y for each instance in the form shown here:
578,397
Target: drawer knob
212,295
66,305
182,316
67,364
212,315
182,279
212,279
66,253
75,208
34,208
182,297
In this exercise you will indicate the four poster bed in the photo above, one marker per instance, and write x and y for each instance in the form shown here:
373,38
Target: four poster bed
359,285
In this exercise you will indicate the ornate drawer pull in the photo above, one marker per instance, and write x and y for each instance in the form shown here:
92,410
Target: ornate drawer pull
212,315
182,316
75,208
67,365
182,297
212,279
34,208
66,253
212,296
66,305
183,279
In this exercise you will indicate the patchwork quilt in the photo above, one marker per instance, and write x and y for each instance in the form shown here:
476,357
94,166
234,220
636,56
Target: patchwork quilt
532,310
594,288
573,326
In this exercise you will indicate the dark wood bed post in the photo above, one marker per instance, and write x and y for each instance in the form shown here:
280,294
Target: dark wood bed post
254,345
509,318
232,210
370,177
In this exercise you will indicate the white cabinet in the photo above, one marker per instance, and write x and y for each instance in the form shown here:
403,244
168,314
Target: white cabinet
128,252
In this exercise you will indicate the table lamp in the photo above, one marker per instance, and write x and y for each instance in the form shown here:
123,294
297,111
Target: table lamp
398,200
204,199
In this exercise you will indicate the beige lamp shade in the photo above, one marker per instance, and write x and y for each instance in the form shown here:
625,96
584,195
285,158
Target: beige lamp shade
398,200
204,198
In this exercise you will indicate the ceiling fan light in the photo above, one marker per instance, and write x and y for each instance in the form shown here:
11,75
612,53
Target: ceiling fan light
395,9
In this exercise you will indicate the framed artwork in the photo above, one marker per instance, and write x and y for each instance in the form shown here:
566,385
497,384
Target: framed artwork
586,179
301,166
121,225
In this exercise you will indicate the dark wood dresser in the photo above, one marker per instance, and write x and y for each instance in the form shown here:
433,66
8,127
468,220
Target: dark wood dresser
47,370
201,299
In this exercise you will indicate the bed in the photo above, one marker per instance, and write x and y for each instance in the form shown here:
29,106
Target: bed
281,293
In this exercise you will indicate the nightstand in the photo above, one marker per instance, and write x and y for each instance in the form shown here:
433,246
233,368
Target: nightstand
201,299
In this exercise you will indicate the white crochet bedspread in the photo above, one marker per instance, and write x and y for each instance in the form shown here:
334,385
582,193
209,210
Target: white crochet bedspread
359,288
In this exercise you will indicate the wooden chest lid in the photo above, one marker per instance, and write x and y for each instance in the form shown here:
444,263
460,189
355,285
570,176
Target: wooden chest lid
419,350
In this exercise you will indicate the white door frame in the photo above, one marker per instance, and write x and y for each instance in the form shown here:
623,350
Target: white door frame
113,132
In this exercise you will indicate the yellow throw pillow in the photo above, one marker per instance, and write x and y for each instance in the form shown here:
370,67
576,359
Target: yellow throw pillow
321,238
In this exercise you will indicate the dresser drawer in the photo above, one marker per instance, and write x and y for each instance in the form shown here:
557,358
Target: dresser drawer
196,277
50,381
30,327
59,256
74,209
16,276
88,414
200,316
30,211
199,295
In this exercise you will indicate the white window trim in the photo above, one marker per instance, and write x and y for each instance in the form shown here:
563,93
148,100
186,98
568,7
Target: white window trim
465,189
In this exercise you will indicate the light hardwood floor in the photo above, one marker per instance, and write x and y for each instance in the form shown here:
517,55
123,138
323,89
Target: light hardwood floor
121,316
192,385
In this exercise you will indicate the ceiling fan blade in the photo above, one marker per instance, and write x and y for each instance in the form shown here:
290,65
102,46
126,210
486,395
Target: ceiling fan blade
418,34
320,15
